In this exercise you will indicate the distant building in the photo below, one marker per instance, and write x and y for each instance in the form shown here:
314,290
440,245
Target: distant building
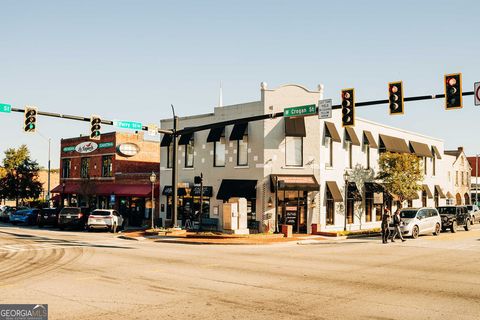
459,176
291,170
43,178
113,172
475,178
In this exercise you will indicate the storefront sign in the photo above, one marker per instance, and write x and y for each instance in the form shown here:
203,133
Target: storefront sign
128,149
86,147
207,191
69,149
105,145
291,216
378,198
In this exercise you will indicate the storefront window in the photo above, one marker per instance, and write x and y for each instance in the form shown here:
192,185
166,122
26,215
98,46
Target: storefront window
330,208
84,168
107,166
66,165
189,153
350,206
424,198
294,151
242,151
219,153
368,206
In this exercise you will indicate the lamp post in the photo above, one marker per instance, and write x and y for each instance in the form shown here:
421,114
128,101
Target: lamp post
345,177
153,179
174,170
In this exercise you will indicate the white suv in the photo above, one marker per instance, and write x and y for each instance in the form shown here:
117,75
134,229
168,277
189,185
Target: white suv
415,222
105,219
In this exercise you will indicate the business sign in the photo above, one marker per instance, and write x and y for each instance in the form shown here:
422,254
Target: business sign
86,147
378,198
325,109
105,145
128,149
131,125
476,92
69,149
5,108
300,111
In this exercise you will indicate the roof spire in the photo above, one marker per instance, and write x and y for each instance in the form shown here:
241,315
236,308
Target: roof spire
220,98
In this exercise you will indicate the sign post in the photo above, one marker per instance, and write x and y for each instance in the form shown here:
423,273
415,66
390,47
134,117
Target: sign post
5,108
325,109
476,92
300,111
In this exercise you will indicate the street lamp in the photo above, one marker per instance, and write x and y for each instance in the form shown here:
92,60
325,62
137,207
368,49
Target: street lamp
153,179
345,177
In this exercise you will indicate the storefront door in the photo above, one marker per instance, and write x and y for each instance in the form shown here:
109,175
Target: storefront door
292,210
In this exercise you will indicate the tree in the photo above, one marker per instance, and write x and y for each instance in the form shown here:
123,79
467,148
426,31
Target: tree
21,175
360,175
401,174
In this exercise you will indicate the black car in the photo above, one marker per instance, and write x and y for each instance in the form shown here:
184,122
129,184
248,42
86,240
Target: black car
454,216
48,216
73,217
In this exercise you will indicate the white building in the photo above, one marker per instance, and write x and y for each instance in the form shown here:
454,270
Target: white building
292,169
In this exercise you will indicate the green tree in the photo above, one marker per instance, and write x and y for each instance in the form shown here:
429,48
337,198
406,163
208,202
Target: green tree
401,174
21,177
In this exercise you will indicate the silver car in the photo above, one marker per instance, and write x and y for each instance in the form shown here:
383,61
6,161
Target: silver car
417,221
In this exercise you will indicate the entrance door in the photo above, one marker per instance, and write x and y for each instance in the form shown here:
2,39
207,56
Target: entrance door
293,208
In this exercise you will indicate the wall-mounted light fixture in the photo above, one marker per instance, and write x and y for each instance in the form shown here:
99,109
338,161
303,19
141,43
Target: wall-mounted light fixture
270,202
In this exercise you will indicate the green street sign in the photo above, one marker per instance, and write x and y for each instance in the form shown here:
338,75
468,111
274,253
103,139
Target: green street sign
131,125
6,108
300,111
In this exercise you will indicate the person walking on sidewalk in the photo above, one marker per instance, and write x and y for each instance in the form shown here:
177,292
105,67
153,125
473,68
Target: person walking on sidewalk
396,226
385,222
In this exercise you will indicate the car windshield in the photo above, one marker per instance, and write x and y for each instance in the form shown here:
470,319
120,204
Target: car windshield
447,210
470,207
101,213
408,214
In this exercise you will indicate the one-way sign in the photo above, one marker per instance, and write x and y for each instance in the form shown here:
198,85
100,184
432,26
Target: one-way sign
476,92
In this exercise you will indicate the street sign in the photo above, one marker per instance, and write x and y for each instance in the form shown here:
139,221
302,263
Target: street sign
131,125
476,92
5,108
152,129
300,111
325,109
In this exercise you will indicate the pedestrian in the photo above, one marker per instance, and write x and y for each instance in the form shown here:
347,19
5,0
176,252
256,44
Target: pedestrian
396,226
385,223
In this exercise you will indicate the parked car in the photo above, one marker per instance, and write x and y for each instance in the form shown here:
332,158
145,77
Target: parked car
105,219
418,221
454,216
73,217
474,213
5,213
48,216
27,216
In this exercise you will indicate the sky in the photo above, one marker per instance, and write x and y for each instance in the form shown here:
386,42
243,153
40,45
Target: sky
129,60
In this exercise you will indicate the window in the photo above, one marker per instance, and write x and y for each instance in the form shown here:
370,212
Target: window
219,153
350,206
410,203
434,165
436,198
66,165
294,151
107,166
189,154
170,155
456,178
367,154
329,146
84,167
424,198
350,155
242,151
368,206
330,208
425,165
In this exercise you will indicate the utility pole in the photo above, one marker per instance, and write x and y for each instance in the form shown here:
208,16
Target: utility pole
476,179
174,170
49,169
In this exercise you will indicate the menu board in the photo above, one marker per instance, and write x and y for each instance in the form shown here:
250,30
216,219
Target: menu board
291,217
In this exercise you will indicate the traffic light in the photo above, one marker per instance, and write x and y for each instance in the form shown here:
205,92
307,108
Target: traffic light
30,122
348,107
453,91
395,98
95,122
198,179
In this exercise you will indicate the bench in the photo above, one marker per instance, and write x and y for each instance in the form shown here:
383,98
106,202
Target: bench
210,223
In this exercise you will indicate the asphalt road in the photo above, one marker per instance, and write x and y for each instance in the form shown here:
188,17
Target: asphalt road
98,276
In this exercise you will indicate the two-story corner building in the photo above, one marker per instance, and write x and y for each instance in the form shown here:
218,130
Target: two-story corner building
293,170
113,172
459,176
474,162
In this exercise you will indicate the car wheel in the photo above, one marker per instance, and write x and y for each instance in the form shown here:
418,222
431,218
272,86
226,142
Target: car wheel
453,228
467,226
437,230
415,232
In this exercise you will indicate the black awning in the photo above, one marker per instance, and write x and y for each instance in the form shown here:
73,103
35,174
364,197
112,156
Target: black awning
295,127
239,130
215,134
294,182
353,192
185,138
168,191
207,191
232,188
166,140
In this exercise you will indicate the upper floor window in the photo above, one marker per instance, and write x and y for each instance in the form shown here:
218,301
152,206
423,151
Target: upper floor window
350,154
294,151
107,166
66,166
170,156
425,165
84,167
434,165
367,155
189,154
242,151
219,152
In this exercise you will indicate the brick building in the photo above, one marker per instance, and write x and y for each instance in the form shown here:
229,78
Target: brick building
113,172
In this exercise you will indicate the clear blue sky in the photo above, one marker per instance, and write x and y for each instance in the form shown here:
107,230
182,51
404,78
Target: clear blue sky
131,59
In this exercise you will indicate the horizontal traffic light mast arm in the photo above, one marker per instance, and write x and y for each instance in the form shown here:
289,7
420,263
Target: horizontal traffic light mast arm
80,118
416,98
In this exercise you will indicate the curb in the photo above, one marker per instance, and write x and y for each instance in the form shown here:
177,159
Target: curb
130,238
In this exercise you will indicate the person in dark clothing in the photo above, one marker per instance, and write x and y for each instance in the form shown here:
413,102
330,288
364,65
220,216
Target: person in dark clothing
385,222
396,226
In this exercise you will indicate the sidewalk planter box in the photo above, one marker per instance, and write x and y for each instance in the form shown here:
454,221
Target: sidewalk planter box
287,230
315,228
